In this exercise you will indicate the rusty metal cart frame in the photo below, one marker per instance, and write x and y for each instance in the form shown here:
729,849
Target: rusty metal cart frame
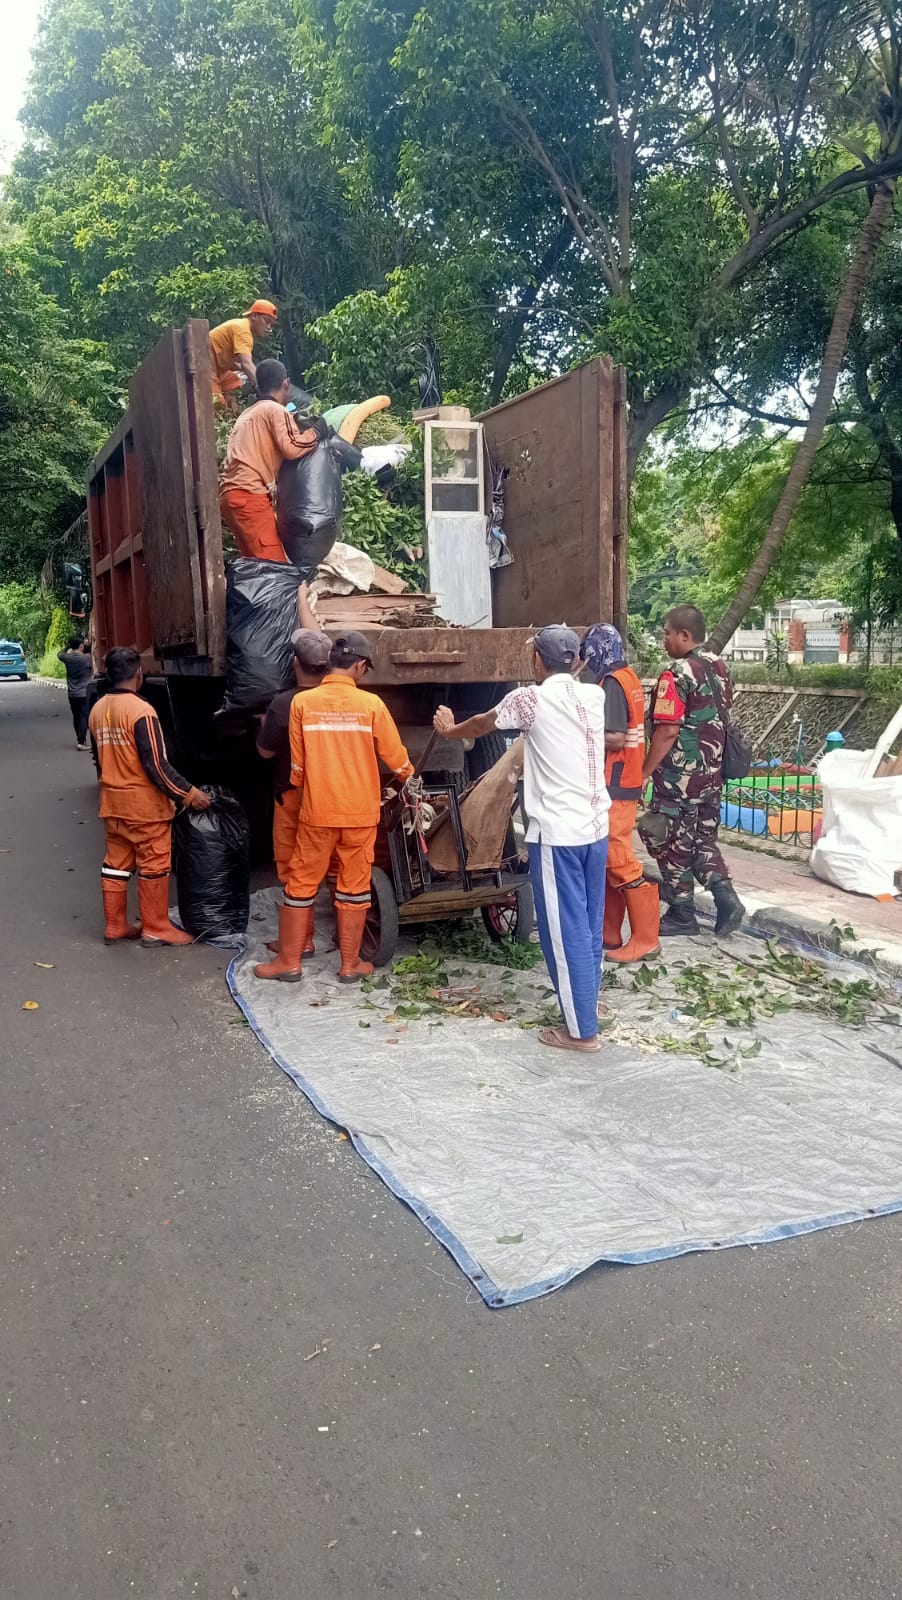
406,890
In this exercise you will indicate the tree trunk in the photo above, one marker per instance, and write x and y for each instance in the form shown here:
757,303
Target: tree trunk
859,272
516,323
644,417
889,449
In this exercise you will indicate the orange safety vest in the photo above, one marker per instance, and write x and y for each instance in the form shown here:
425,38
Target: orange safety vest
623,768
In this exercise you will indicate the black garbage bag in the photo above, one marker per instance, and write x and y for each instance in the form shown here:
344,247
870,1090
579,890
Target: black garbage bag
349,456
308,505
212,867
261,616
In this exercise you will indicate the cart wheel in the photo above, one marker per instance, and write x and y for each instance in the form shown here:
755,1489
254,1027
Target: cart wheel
511,918
380,933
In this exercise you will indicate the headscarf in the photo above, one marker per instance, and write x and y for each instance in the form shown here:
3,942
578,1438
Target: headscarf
601,649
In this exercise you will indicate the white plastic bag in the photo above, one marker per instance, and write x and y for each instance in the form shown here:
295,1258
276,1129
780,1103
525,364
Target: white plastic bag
860,848
344,570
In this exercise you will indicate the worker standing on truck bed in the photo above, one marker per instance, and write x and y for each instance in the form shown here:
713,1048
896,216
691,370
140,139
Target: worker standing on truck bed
232,349
338,735
627,892
311,663
139,791
567,805
264,436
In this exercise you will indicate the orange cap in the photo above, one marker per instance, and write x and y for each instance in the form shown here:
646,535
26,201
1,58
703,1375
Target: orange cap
263,308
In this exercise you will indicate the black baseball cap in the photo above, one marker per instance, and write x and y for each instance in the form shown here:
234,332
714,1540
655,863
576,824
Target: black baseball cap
348,648
558,646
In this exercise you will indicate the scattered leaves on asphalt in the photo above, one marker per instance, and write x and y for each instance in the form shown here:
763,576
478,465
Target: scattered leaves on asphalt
30,1005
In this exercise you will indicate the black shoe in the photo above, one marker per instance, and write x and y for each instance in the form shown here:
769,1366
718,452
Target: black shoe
730,909
679,919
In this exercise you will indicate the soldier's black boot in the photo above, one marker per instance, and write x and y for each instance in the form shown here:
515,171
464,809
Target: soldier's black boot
730,909
680,918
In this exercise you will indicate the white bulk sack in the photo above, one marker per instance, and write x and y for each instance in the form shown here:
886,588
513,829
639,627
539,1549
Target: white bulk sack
860,848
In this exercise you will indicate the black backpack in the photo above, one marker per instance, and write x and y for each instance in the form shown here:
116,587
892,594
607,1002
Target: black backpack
737,746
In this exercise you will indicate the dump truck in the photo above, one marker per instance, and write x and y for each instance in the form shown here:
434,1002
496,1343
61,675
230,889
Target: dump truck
158,570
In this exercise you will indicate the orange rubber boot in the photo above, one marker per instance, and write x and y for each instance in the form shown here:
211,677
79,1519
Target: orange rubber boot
116,923
156,928
644,911
295,923
614,913
308,950
351,920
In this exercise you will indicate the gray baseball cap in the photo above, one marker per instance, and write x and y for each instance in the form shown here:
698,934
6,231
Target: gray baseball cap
558,646
311,649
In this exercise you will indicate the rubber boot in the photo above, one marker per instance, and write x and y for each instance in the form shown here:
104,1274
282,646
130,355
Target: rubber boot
156,928
614,912
295,923
730,909
644,911
116,923
308,950
351,920
680,918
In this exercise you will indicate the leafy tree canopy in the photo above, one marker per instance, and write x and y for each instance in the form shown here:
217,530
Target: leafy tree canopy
57,401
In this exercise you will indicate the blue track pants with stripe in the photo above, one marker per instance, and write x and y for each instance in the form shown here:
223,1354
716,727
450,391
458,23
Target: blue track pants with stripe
568,885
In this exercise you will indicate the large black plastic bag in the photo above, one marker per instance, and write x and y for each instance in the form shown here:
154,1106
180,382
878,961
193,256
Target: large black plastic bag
261,616
212,867
308,506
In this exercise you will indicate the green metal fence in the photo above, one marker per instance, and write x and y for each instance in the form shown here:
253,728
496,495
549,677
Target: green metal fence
777,801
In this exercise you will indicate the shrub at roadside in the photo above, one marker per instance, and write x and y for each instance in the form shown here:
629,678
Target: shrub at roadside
24,615
56,640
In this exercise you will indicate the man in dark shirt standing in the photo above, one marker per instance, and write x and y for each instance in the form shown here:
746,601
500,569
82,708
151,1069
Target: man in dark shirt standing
76,659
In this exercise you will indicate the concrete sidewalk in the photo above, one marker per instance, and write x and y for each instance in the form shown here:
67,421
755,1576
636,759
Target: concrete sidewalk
784,896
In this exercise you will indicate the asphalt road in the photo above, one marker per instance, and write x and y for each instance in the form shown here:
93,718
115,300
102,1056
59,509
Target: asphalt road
180,1234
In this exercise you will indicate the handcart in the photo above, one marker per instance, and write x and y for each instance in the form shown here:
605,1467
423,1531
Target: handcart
406,889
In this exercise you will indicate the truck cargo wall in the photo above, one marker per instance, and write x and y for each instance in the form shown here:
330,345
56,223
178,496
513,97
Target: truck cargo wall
565,499
153,514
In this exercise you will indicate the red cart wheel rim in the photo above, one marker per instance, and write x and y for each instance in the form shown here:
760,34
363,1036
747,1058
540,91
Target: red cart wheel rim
503,916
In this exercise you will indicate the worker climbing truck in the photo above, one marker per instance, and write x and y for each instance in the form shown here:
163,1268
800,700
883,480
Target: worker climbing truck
158,569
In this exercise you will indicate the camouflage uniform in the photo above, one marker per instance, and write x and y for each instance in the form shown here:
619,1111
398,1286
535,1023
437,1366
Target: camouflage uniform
680,827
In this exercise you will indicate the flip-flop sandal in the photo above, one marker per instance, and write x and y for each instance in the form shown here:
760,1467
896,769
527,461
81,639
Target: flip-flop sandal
561,1040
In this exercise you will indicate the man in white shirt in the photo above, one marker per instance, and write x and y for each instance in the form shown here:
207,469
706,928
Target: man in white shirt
567,804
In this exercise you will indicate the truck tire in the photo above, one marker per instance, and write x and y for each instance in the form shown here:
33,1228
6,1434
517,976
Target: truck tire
513,918
380,934
485,752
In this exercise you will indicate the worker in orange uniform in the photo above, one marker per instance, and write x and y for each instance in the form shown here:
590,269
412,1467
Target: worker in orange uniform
311,663
139,791
232,349
338,734
624,736
264,436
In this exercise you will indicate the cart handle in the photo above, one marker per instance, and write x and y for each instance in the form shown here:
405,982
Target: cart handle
425,756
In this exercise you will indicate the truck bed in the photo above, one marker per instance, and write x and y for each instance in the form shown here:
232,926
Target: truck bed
156,541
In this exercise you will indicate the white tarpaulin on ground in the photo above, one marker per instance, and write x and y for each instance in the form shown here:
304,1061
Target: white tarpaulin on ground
530,1164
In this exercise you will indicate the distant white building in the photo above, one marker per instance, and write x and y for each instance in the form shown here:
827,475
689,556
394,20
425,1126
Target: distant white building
813,631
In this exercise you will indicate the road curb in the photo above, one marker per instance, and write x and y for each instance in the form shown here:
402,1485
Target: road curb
885,955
